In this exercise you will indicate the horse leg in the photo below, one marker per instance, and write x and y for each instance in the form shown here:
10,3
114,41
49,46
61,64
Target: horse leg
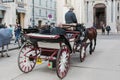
2,51
7,51
94,45
90,47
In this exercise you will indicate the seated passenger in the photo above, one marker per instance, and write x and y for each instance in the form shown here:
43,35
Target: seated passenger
57,30
44,29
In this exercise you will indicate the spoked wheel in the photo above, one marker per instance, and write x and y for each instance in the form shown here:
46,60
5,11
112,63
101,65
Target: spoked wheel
82,52
62,62
75,47
27,57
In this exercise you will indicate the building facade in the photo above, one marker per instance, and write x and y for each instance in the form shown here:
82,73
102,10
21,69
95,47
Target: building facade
92,12
14,13
64,5
44,11
103,12
27,12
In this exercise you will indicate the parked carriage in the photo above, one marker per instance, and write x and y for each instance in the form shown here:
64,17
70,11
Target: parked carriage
36,48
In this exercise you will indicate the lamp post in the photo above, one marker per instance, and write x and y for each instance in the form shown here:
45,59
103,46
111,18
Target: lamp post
33,20
87,10
111,10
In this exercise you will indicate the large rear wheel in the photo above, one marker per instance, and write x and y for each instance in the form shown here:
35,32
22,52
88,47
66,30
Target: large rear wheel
62,62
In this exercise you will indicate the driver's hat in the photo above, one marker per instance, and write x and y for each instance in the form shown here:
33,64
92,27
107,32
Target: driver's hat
71,8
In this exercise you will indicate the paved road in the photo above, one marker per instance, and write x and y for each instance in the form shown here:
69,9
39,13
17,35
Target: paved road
104,64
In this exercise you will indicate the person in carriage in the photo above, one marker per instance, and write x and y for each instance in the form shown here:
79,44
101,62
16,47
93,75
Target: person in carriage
70,18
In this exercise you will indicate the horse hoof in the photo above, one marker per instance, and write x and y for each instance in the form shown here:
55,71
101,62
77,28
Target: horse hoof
2,55
90,52
8,56
93,50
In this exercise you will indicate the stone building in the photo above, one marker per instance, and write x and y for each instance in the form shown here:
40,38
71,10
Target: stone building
92,12
64,5
27,12
103,12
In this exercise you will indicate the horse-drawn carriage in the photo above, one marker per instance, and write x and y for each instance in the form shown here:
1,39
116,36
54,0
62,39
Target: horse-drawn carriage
56,49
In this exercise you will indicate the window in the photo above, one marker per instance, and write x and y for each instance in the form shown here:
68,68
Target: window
40,13
39,2
46,14
5,1
46,3
19,0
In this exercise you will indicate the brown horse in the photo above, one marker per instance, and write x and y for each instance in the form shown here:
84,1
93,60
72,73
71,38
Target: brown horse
91,36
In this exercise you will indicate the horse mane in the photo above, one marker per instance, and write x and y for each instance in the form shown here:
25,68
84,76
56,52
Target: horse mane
2,26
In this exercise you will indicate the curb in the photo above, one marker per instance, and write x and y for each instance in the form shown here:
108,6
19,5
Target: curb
9,49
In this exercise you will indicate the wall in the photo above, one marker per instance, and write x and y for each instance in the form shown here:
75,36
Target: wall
62,8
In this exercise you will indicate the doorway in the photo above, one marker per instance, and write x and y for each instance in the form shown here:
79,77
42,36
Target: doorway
99,15
20,18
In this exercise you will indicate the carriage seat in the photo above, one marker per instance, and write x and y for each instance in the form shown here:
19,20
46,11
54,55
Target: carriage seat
42,36
69,27
36,37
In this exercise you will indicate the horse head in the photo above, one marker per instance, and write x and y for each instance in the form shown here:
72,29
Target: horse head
81,28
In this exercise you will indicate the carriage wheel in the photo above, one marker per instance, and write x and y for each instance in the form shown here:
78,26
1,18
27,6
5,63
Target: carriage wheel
62,62
82,52
27,58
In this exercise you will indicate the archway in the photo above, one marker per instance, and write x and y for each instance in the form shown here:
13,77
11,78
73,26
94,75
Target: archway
99,15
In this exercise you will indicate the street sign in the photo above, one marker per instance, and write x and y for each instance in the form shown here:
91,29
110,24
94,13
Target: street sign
49,16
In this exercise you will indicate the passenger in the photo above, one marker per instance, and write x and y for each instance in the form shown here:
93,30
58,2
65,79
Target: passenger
57,29
44,29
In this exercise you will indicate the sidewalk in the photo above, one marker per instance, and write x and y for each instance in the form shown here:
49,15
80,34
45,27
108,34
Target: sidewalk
100,32
11,46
